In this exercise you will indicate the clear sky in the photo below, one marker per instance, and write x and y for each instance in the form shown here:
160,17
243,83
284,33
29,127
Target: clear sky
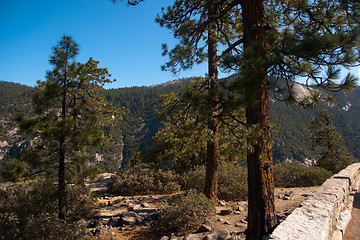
125,39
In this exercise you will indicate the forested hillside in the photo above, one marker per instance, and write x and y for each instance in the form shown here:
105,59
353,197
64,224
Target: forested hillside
292,126
135,130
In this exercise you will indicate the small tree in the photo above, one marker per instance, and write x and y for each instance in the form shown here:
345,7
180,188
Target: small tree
69,115
329,142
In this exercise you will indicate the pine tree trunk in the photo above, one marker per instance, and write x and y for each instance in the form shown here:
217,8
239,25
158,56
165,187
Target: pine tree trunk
212,162
61,196
261,213
61,175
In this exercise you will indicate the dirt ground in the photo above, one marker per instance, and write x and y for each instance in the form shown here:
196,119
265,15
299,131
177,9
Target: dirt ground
286,200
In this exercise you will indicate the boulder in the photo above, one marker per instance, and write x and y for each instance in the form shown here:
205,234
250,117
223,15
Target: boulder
204,228
192,237
217,235
130,218
225,212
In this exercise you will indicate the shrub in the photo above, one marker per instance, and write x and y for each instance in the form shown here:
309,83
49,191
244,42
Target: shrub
185,211
297,174
46,226
194,179
29,211
142,179
232,181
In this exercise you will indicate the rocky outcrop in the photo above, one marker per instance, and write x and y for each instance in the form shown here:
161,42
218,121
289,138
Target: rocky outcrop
325,214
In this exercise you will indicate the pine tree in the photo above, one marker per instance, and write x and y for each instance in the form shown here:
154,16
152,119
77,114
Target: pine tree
325,138
69,115
190,22
283,40
182,143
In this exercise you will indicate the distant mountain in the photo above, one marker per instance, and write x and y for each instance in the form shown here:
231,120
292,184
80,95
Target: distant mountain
135,131
293,122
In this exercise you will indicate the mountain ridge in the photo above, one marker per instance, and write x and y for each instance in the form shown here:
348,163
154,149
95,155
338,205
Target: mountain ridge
134,132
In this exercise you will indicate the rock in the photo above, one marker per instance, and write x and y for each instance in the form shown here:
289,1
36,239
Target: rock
225,212
233,238
243,221
165,238
125,205
220,220
82,222
304,223
191,237
242,203
227,223
131,207
144,205
103,221
204,228
145,212
289,194
217,235
207,222
222,203
130,218
176,234
114,222
239,224
93,224
286,198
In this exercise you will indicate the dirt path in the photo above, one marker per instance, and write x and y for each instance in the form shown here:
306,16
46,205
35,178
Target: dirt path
286,200
352,231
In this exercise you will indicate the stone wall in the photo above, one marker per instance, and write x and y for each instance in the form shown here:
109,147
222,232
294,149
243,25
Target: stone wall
324,214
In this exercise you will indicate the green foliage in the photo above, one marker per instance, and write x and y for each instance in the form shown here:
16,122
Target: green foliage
142,179
46,226
69,115
13,170
297,174
182,142
15,99
324,137
43,226
185,211
29,211
232,181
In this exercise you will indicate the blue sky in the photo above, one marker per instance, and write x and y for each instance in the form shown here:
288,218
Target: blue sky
125,39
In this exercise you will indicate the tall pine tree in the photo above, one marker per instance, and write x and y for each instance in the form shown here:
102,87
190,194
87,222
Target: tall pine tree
284,40
69,115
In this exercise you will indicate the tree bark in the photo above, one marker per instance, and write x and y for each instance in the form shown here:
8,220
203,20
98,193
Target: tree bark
212,162
61,174
261,213
61,197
